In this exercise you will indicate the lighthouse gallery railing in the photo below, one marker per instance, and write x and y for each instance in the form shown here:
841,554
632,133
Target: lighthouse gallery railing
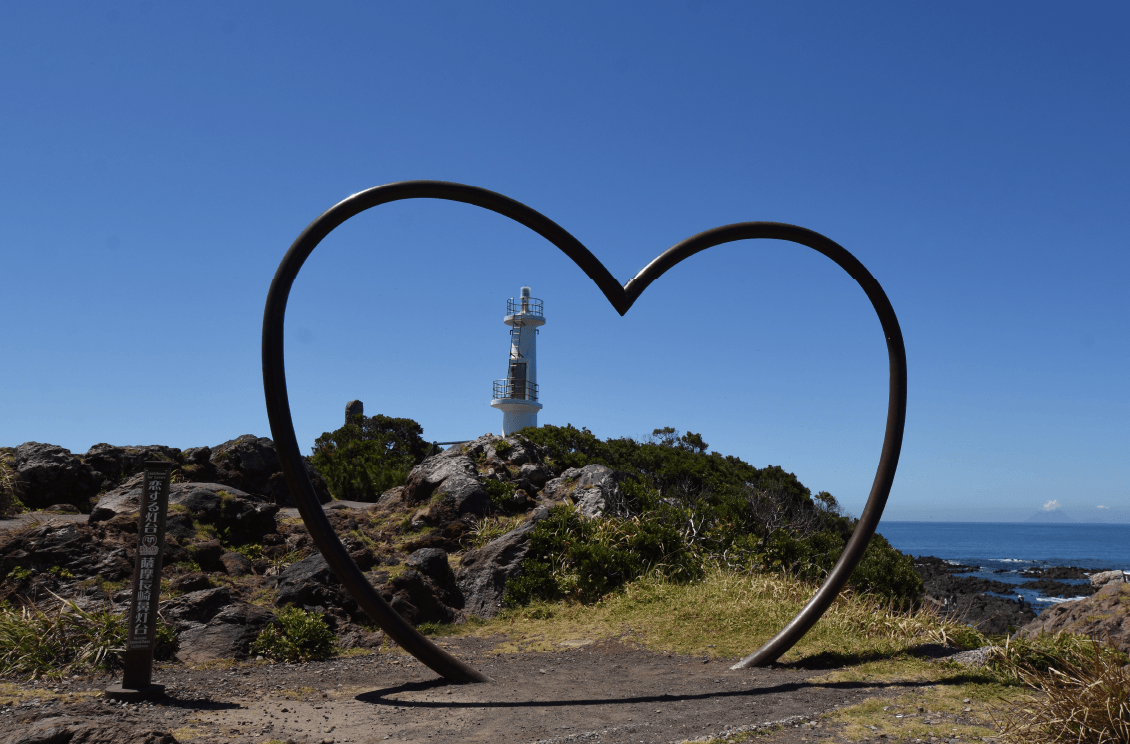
515,388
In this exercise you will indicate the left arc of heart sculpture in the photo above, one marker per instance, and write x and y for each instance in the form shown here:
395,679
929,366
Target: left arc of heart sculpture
622,299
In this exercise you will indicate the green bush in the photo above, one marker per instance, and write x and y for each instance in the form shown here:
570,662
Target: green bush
296,635
368,456
723,509
571,557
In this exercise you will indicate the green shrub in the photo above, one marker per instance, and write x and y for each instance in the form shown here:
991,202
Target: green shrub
571,557
501,447
368,456
500,492
728,511
296,635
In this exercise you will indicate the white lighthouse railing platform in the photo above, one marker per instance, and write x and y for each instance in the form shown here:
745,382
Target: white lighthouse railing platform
524,306
515,388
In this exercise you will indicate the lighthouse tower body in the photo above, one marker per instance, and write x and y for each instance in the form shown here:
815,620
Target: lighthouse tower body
517,395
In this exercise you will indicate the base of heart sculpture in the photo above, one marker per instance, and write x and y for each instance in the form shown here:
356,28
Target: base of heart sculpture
622,298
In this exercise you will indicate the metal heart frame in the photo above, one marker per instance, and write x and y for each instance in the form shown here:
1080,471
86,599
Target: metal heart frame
622,298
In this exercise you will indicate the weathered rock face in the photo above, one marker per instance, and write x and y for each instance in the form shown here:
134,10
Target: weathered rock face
245,517
311,583
1105,615
1103,578
112,464
426,477
594,490
213,625
483,573
426,592
251,464
48,474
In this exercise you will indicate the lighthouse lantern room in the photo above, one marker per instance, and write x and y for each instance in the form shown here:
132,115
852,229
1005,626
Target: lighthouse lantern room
517,395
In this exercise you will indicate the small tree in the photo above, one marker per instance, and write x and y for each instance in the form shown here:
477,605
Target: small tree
369,455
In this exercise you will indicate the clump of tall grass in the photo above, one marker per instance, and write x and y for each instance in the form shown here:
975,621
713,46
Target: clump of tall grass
52,643
1083,693
489,529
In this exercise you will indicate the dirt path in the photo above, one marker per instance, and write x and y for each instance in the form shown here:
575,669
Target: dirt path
593,692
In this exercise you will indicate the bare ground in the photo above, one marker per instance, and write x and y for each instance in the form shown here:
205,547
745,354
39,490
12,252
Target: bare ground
586,692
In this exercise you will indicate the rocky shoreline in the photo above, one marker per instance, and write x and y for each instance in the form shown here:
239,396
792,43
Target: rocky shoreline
975,599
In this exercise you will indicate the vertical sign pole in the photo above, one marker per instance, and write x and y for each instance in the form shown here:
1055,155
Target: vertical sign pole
137,679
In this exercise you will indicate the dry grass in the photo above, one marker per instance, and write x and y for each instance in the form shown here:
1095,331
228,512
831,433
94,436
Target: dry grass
725,615
1080,700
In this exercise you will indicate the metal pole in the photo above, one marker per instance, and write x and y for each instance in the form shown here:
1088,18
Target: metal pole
621,298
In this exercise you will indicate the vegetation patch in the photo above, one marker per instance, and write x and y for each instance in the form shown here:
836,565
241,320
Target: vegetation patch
368,456
296,635
38,643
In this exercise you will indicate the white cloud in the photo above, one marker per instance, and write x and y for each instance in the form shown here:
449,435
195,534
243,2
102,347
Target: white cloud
1100,506
1051,505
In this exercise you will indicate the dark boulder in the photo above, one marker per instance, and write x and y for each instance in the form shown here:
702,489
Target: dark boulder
483,573
114,464
47,474
311,583
207,554
198,606
226,635
251,464
432,563
417,599
236,564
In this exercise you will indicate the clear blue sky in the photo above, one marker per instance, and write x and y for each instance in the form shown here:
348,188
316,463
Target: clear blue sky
156,160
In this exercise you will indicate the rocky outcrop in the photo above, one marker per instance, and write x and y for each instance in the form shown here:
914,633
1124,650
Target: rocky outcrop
426,477
113,465
310,583
426,592
483,573
211,624
964,597
1103,578
251,464
1103,616
47,474
593,489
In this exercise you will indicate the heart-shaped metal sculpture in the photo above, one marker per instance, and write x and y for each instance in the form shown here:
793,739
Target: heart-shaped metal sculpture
622,298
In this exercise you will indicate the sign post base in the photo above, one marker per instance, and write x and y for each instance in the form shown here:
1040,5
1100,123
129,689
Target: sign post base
133,694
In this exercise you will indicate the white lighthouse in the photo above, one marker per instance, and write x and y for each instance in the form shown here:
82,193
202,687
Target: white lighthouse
517,395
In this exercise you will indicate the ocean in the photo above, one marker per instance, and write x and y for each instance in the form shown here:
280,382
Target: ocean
1002,550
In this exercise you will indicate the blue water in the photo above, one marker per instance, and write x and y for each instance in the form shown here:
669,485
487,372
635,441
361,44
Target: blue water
1002,550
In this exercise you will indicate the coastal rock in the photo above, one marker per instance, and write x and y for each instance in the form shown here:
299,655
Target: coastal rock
48,474
483,573
1050,588
1105,615
1103,578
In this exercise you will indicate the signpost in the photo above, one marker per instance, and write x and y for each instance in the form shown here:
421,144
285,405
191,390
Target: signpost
137,679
